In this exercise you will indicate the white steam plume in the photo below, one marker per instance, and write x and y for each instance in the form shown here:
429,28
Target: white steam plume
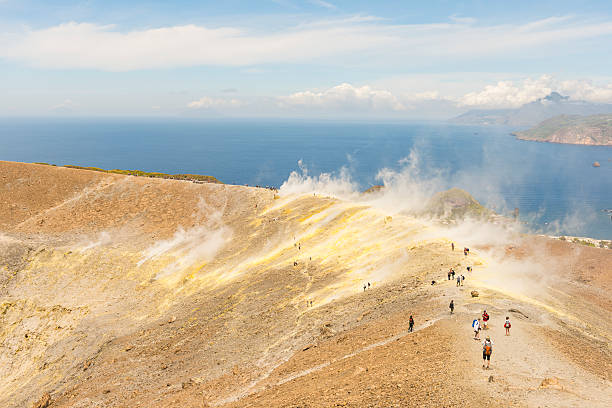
199,244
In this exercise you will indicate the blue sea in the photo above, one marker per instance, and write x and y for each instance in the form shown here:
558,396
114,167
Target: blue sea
554,186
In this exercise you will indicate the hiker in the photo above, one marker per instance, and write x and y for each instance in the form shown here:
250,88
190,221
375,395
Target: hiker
485,320
448,274
433,282
462,279
311,303
476,327
452,306
487,349
295,263
452,273
469,269
466,251
507,325
368,285
364,287
458,280
452,246
410,324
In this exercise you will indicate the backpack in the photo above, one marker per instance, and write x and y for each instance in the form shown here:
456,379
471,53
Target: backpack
507,325
487,350
474,322
485,317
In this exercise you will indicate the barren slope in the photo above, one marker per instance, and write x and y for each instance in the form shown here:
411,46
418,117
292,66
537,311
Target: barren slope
128,291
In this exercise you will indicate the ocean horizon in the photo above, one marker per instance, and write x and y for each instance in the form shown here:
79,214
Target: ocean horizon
554,186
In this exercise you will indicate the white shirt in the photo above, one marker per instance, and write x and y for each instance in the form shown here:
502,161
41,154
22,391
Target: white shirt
476,325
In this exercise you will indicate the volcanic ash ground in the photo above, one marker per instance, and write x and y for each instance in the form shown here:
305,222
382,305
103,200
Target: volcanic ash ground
119,291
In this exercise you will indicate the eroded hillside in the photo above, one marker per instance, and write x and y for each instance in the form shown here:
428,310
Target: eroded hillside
130,291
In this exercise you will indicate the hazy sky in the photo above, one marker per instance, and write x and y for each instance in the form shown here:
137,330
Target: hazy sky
291,58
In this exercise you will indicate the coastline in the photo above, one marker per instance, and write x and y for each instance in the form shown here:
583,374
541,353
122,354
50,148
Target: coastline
587,241
518,137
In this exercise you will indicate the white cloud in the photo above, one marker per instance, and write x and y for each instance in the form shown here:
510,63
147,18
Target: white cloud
346,97
91,46
207,102
509,94
427,96
462,20
324,4
586,90
514,94
364,39
66,105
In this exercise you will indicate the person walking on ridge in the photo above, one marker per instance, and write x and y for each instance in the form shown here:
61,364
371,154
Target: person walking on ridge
452,246
410,324
507,325
458,280
452,306
487,349
485,320
476,327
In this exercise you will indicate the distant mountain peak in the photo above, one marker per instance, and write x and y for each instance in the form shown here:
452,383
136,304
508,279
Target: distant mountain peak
554,97
532,113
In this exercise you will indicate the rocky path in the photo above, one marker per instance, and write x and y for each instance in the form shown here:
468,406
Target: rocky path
526,369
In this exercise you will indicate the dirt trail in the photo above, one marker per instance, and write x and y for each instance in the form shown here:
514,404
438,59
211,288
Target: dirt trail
524,359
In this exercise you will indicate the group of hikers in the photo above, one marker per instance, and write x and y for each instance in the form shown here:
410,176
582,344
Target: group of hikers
487,344
481,323
460,278
271,188
466,250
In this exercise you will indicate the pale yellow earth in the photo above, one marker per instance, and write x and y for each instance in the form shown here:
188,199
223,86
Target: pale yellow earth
119,291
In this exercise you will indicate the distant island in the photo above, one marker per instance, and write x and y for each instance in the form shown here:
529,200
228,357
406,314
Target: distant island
530,114
593,130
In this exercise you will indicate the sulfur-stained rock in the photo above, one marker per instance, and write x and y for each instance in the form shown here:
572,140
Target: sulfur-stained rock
43,402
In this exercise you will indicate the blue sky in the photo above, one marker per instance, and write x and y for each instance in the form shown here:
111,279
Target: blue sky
288,58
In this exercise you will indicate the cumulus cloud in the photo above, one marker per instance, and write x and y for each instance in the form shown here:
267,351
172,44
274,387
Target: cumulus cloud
514,94
507,93
587,90
346,97
371,40
207,102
